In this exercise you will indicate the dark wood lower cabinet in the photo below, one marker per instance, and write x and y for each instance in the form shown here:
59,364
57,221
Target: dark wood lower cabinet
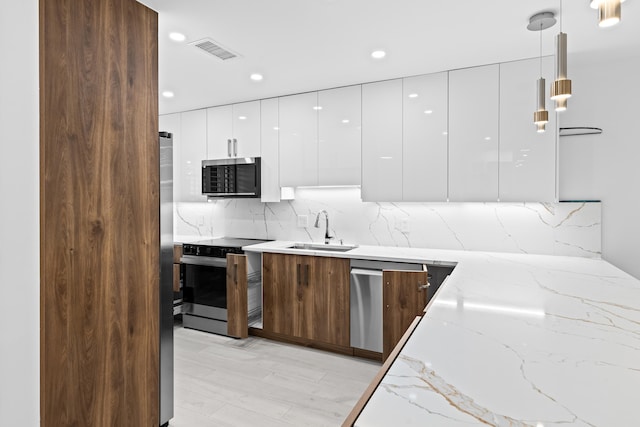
237,308
306,297
404,297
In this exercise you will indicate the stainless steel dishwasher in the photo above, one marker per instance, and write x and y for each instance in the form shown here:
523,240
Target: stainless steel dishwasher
366,301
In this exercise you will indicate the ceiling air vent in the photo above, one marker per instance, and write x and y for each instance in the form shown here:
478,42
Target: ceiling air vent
214,48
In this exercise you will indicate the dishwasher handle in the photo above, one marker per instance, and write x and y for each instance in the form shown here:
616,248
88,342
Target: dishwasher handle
366,272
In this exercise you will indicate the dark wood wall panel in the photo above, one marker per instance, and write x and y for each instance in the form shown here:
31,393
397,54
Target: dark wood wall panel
99,189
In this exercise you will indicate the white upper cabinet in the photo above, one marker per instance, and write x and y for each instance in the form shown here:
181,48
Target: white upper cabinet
172,123
219,132
269,165
246,129
299,139
527,158
193,150
425,112
339,136
473,134
382,141
233,130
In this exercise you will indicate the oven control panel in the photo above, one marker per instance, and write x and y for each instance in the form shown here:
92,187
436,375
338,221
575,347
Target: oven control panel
209,251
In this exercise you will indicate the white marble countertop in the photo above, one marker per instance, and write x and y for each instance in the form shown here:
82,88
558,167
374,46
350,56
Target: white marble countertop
512,340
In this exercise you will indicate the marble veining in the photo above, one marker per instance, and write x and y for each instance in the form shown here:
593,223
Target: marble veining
572,229
512,340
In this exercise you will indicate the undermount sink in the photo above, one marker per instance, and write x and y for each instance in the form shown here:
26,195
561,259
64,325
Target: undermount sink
321,247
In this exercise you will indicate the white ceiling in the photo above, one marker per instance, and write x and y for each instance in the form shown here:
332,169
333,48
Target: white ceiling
303,45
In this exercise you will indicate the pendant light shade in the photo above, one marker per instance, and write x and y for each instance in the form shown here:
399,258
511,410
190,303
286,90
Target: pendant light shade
561,88
540,22
561,104
609,11
541,116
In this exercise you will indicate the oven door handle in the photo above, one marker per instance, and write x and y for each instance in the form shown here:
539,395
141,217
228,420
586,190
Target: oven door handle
203,260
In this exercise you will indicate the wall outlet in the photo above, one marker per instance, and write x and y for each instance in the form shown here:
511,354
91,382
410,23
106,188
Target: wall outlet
303,221
404,225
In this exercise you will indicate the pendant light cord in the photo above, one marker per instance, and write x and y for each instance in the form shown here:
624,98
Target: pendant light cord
560,15
540,49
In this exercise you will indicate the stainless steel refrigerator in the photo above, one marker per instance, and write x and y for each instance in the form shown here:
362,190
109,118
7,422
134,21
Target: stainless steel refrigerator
166,278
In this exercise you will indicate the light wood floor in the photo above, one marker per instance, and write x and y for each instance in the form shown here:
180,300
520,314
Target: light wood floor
222,381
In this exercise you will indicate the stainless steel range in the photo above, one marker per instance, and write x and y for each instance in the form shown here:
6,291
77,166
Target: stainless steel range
204,273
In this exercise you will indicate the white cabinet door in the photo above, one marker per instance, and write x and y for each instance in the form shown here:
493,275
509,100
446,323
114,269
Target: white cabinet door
425,111
473,134
193,150
382,141
172,123
527,158
339,138
219,132
269,162
246,129
299,140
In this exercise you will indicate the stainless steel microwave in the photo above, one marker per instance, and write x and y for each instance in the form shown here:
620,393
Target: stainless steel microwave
231,177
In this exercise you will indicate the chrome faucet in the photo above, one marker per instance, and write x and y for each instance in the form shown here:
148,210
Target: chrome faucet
326,230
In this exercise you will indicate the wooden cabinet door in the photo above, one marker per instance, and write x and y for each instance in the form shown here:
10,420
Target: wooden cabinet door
237,307
329,279
404,297
279,283
302,309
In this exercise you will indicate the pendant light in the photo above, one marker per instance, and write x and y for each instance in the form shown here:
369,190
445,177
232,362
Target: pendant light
561,87
609,11
539,22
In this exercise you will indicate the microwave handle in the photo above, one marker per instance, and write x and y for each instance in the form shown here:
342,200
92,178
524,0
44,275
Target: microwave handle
235,147
228,148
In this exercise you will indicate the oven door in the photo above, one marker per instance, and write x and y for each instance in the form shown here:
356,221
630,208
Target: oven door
205,286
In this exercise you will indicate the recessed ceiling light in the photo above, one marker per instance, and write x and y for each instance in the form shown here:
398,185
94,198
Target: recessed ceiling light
386,157
242,117
276,128
487,138
428,111
317,107
168,94
345,121
378,54
445,133
413,95
177,37
256,77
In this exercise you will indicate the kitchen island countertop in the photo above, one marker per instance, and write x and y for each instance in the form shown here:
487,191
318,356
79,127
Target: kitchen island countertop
511,339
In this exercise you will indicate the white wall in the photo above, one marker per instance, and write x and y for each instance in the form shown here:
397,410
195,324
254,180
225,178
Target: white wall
607,166
19,215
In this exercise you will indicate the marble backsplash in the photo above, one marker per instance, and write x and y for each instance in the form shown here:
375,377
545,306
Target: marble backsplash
572,229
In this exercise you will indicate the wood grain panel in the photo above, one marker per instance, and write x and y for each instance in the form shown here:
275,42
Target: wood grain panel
303,321
177,253
237,305
403,298
330,282
176,277
99,215
278,292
